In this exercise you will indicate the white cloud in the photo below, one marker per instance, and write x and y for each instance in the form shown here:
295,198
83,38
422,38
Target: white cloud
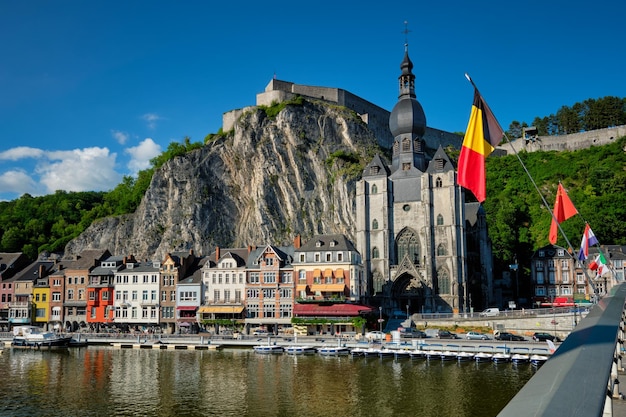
21,152
120,137
17,182
142,154
151,118
88,169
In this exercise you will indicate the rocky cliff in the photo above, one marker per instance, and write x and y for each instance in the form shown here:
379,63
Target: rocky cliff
266,181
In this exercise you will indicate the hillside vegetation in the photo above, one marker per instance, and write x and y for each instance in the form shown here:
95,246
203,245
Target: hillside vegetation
518,220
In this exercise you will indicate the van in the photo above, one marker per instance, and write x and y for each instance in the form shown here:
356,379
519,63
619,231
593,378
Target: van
490,312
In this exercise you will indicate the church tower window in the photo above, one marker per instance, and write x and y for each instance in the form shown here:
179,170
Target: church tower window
374,169
375,224
439,220
375,253
444,282
441,250
374,189
408,245
439,164
438,182
406,145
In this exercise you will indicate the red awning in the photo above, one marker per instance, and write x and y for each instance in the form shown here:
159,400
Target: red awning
186,308
329,310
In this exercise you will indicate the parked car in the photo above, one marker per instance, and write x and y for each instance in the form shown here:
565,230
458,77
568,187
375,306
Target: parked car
509,336
260,332
375,335
542,337
476,336
444,334
490,312
412,333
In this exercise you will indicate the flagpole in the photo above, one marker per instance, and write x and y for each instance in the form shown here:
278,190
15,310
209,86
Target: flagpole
545,203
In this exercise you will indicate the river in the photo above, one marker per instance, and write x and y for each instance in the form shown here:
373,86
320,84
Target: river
105,381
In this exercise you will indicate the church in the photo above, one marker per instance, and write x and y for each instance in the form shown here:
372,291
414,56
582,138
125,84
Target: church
424,248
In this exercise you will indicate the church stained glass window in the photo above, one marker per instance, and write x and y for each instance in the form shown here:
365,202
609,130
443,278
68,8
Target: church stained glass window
407,244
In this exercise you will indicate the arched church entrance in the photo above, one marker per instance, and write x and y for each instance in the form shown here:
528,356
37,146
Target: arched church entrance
408,293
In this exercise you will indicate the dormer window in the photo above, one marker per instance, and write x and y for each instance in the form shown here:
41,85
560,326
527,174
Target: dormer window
332,243
375,169
439,164
318,244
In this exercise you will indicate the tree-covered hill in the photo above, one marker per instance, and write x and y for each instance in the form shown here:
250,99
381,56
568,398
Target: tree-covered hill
595,180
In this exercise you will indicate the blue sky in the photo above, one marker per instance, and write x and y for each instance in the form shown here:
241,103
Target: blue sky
90,91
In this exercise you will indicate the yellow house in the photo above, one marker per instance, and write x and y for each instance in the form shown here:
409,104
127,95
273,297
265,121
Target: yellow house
41,302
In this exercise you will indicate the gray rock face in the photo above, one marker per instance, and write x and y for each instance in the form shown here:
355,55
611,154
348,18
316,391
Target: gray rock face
266,182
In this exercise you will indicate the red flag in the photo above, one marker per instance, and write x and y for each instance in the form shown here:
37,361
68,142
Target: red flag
482,136
563,210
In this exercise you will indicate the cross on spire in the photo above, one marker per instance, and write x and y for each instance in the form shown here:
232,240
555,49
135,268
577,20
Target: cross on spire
406,33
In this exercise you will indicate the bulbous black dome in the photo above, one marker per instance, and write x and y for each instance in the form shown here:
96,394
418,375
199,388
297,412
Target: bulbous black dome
407,116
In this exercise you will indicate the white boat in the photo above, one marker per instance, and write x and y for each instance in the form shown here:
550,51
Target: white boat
538,356
267,349
450,353
485,354
333,350
502,356
464,354
386,353
35,337
371,352
433,353
417,353
402,353
521,355
299,350
358,351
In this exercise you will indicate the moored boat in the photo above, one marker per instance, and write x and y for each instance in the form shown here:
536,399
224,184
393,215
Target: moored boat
267,349
299,350
521,355
485,354
333,350
464,354
538,356
34,337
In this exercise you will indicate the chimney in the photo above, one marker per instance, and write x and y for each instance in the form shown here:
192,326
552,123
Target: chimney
217,253
41,270
297,242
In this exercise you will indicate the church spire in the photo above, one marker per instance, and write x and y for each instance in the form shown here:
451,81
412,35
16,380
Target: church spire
406,78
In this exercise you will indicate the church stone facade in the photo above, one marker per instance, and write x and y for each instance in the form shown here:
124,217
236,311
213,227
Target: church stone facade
424,249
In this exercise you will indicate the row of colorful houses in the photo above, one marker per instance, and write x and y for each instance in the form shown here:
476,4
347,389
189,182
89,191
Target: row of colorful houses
247,287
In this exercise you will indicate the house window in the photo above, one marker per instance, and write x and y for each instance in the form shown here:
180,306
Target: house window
329,257
227,296
539,276
302,257
269,311
339,257
216,296
285,310
302,276
540,291
269,277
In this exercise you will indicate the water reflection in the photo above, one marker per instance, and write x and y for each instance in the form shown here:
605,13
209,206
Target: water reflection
113,382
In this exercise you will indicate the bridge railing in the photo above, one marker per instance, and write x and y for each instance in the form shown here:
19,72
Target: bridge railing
580,379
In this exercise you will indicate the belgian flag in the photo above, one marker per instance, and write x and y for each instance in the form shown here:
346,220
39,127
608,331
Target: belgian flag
483,134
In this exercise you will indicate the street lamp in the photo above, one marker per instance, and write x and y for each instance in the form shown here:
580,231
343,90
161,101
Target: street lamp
380,318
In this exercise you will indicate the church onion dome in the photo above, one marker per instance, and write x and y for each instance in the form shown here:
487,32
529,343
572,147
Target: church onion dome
407,116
